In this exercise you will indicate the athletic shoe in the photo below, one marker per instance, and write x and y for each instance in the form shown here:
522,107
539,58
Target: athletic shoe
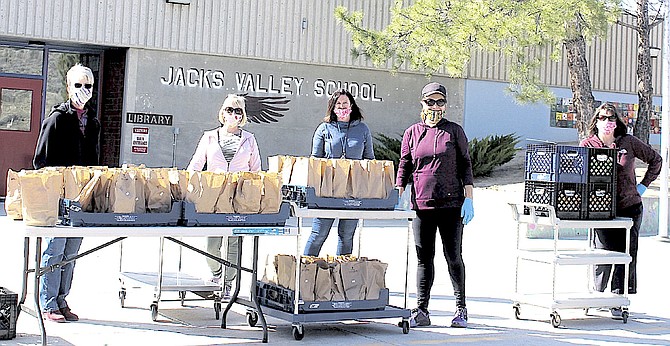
616,312
460,319
419,318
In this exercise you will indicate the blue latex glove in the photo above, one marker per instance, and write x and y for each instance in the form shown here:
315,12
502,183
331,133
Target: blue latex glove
467,211
641,189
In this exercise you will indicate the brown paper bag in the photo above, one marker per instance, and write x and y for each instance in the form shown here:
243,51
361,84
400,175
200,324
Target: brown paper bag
314,170
193,188
376,179
285,265
307,281
271,198
341,170
224,205
359,179
101,191
211,185
270,271
323,285
122,192
337,287
40,193
389,177
178,183
140,194
13,204
375,278
327,179
74,180
353,279
85,198
157,190
247,199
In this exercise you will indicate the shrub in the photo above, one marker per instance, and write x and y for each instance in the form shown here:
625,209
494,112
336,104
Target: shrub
486,154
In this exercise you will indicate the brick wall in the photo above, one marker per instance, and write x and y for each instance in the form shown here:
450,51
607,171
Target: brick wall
111,110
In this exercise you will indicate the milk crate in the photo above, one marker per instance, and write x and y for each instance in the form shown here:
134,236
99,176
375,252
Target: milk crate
601,201
556,163
602,165
8,313
568,199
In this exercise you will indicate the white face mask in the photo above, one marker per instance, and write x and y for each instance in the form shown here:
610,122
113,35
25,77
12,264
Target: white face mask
431,117
79,96
606,127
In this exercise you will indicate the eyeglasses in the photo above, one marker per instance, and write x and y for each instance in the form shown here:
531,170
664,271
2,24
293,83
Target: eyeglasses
79,85
232,110
431,102
607,117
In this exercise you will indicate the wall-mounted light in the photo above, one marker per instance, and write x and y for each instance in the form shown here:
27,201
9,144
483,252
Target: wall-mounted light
303,24
180,2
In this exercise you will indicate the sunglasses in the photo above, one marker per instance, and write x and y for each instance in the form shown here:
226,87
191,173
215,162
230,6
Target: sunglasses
79,85
232,110
431,102
607,117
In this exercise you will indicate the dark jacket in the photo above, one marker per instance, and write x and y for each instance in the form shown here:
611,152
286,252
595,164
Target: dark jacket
628,149
61,142
437,160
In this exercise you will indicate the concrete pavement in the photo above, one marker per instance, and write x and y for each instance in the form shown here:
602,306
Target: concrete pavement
489,246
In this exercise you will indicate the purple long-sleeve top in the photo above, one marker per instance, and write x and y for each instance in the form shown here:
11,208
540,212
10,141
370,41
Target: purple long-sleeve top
437,160
628,149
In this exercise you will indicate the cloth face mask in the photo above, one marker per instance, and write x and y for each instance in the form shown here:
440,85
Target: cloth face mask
342,113
80,96
232,119
606,127
431,117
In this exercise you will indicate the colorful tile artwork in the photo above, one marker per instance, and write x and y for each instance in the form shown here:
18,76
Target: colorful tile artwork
562,114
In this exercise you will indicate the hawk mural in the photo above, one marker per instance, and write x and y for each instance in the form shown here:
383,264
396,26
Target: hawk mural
265,109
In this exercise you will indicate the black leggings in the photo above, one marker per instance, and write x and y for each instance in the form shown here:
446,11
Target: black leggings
450,225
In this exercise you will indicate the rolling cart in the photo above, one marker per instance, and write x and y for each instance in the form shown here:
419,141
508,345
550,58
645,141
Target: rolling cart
561,256
298,317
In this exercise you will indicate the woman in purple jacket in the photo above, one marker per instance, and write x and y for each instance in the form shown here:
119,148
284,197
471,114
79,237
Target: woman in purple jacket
609,131
434,157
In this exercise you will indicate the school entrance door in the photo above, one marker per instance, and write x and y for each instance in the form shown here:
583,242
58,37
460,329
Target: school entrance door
20,109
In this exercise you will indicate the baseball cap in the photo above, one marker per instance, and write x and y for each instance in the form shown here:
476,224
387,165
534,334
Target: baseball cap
433,88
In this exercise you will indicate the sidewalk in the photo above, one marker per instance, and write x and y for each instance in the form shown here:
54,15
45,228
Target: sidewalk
489,245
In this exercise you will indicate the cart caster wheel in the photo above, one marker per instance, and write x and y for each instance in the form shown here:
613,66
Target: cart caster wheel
217,310
555,319
252,319
405,326
517,312
182,297
624,316
298,332
122,298
154,312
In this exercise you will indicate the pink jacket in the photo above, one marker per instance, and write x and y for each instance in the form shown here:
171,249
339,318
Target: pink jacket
247,158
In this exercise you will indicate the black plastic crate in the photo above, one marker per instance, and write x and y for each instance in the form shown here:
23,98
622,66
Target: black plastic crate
556,163
8,313
601,165
72,215
281,298
601,201
193,218
568,199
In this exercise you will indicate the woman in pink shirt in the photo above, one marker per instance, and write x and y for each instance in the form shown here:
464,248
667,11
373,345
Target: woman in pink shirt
227,148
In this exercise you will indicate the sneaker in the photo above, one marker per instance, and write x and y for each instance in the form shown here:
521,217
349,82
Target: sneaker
460,319
69,315
215,280
419,318
54,316
225,296
616,312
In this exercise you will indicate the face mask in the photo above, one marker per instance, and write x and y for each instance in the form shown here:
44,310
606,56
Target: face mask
606,127
232,119
80,96
432,117
342,113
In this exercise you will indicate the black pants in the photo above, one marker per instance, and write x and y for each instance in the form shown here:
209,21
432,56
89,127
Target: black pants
614,239
425,227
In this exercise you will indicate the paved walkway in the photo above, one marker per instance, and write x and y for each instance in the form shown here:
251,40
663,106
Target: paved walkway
489,245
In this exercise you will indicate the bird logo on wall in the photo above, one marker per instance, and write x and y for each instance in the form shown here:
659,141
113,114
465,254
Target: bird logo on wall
265,109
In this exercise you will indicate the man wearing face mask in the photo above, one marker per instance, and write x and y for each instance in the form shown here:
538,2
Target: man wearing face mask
342,134
434,157
609,131
70,135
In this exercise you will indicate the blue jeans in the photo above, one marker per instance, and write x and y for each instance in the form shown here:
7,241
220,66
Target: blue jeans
321,228
55,285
